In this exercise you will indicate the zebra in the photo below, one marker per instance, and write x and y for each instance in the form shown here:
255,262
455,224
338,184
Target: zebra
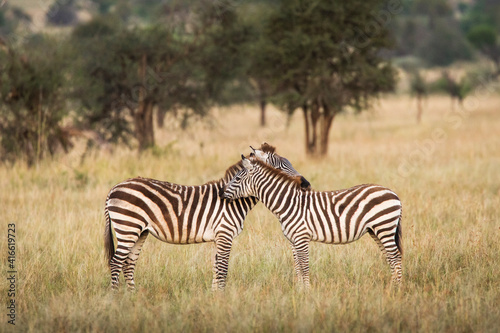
267,153
176,214
336,217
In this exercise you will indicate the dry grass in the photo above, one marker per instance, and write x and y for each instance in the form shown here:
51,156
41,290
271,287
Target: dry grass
446,171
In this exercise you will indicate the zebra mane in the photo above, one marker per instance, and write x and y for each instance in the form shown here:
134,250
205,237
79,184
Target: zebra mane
232,170
267,148
229,174
280,174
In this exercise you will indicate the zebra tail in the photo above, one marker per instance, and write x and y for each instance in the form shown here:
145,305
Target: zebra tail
399,235
109,244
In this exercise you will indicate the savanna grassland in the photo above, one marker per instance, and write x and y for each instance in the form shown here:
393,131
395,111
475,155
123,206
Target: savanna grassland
446,171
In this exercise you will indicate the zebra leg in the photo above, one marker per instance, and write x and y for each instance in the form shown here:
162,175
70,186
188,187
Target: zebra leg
125,242
129,267
296,265
221,261
116,264
301,255
390,246
379,243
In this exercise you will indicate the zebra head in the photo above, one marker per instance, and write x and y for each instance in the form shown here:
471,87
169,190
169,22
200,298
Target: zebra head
267,154
240,185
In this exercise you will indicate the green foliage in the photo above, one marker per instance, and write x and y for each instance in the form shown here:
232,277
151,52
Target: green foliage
32,94
322,65
95,76
418,86
432,8
481,25
455,88
104,6
125,71
431,31
223,36
446,45
481,12
311,51
123,68
482,36
485,39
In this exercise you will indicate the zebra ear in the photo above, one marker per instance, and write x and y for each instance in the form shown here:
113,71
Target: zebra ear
246,162
260,154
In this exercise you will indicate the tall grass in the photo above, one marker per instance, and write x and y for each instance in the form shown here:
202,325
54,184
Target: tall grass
449,186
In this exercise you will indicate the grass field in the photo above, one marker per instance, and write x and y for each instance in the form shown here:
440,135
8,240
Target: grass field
446,171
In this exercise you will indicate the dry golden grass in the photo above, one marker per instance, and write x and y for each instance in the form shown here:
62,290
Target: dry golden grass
445,170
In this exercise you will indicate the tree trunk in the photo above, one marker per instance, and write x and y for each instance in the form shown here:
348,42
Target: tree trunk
262,104
143,119
318,121
311,116
311,122
305,111
143,116
160,117
419,108
326,124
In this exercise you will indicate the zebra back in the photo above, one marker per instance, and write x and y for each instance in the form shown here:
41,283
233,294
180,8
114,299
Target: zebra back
174,213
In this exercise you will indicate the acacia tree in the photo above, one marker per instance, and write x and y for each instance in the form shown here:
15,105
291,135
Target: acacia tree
325,56
32,103
257,70
481,24
126,72
324,59
485,38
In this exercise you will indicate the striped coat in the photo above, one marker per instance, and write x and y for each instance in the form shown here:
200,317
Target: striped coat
176,214
173,213
336,217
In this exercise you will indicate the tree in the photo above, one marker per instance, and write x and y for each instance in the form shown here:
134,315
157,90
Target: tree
324,56
434,9
456,89
126,72
485,38
481,25
32,99
418,88
259,76
222,36
445,44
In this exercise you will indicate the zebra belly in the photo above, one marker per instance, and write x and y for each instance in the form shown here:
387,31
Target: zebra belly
337,238
128,228
206,236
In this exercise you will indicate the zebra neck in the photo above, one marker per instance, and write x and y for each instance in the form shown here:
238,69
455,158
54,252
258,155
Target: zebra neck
279,196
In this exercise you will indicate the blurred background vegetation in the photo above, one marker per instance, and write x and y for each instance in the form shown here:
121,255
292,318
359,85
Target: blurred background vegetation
109,71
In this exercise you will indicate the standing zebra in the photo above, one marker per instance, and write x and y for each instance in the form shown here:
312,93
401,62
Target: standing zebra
175,214
337,217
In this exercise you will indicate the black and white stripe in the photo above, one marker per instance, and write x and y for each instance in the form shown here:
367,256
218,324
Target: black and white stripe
267,154
174,214
337,217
